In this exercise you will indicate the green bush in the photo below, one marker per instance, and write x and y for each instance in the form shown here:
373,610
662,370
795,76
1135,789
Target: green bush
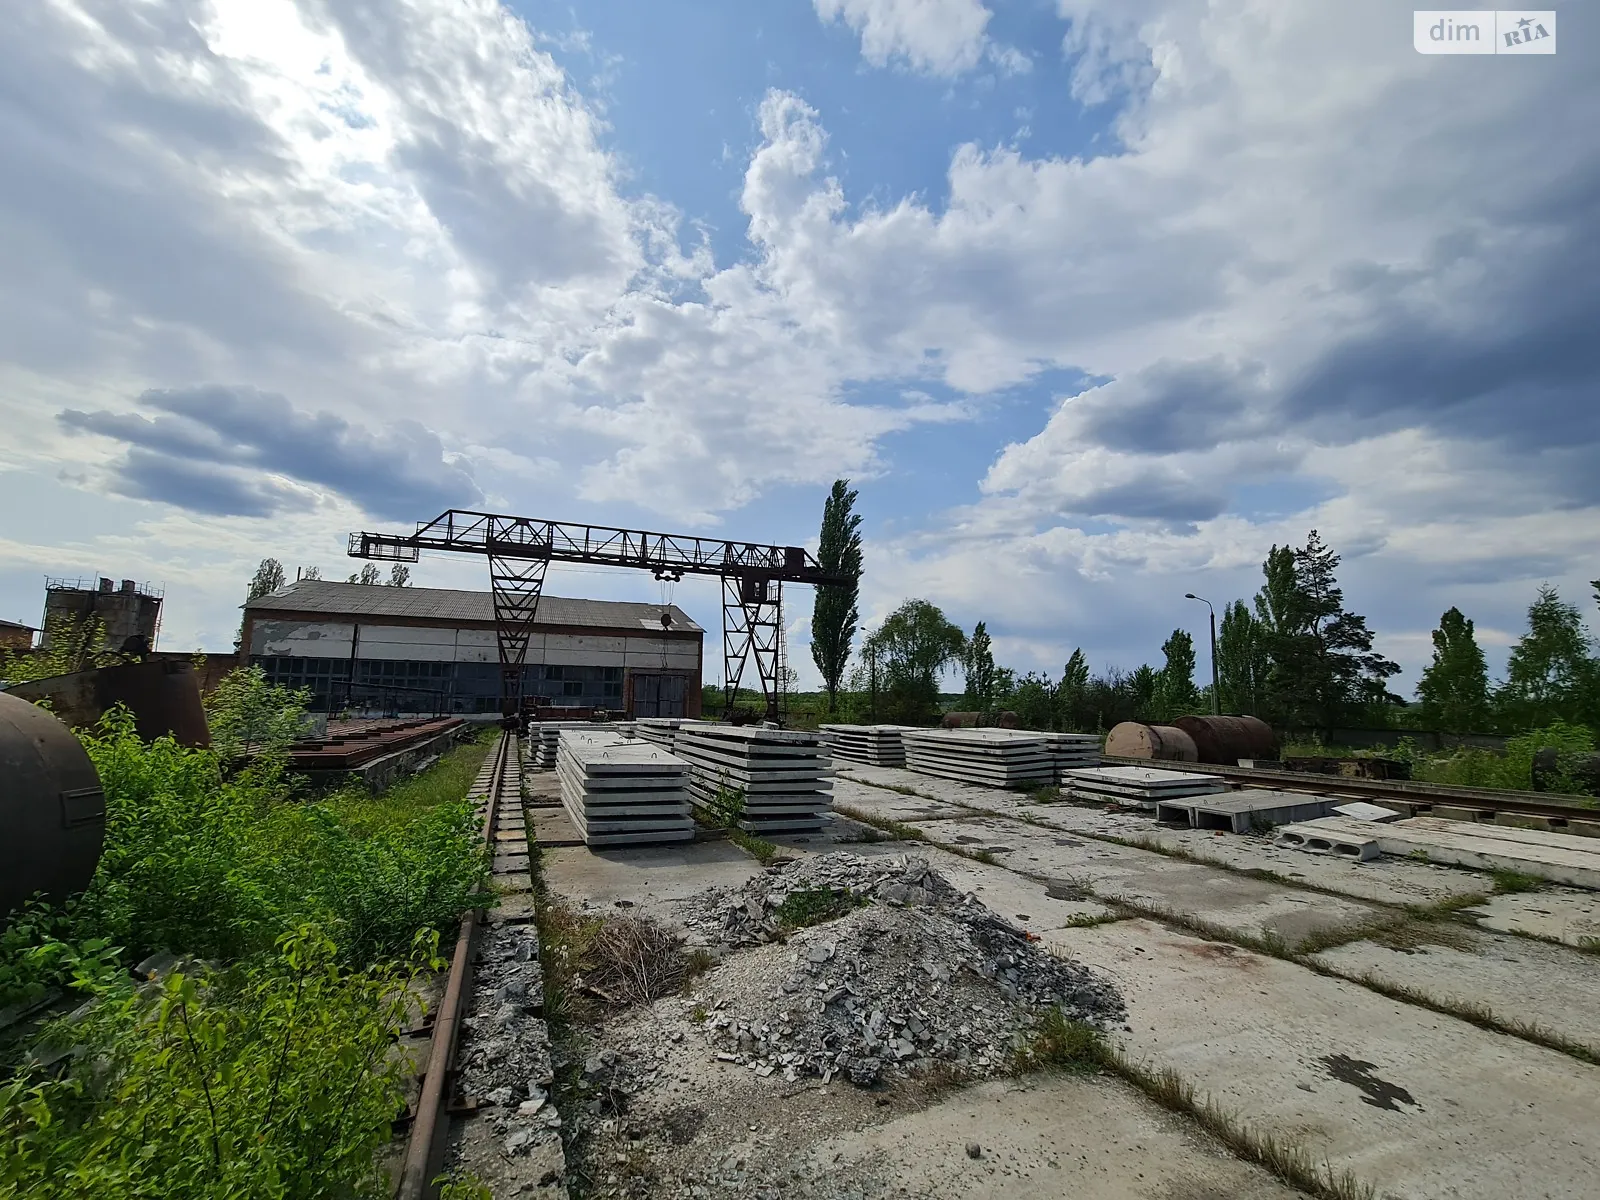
270,1081
197,863
1471,767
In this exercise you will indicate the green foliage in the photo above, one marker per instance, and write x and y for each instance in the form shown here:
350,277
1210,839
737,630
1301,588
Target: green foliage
1454,689
40,949
834,613
1323,670
221,868
1058,1042
267,579
912,647
274,1080
1242,661
1471,767
247,715
368,575
978,659
1175,693
814,905
67,646
399,575
1033,699
1549,674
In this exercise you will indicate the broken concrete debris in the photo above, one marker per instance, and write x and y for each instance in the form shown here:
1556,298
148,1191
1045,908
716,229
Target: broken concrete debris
923,973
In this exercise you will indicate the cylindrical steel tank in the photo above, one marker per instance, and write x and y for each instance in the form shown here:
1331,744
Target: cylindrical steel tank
52,810
1133,739
1225,740
163,696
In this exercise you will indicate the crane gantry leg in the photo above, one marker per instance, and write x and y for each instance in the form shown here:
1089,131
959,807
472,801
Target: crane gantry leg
752,627
516,584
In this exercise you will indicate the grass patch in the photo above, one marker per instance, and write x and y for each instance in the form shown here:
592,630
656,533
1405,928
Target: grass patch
1507,882
1090,920
760,849
814,905
1056,1042
1046,793
898,830
1289,1162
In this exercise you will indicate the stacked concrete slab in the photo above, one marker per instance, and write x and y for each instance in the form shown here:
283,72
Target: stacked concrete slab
879,745
658,730
1243,811
623,791
1073,751
545,739
785,775
1000,758
1143,786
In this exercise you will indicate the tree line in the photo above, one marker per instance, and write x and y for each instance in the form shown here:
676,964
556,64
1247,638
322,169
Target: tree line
1294,655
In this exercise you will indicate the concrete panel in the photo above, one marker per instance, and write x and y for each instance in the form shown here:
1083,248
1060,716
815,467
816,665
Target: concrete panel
642,656
580,658
416,635
561,645
301,639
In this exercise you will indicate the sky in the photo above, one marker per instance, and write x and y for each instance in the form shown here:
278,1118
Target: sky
1093,301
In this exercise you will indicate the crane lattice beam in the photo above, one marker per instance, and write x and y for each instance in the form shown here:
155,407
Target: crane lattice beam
520,548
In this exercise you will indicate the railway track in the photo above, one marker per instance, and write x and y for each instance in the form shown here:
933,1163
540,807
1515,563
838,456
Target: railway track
1419,799
497,791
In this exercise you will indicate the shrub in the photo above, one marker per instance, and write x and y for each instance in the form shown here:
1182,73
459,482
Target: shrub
269,1081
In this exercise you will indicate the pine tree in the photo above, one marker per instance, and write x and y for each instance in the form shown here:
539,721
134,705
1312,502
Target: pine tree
1241,660
834,613
979,661
1175,690
1454,689
1323,669
1549,672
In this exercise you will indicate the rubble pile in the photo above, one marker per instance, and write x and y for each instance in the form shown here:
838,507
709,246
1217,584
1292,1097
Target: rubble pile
922,973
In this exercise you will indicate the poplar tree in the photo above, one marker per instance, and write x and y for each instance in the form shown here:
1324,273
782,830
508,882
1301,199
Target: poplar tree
1241,660
834,613
979,661
1454,689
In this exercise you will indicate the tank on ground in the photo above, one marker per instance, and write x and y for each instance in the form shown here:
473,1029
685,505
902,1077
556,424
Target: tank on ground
51,807
1225,740
1134,739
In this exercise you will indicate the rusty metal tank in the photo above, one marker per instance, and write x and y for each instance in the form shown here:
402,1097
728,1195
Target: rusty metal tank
1133,739
52,809
1225,740
164,697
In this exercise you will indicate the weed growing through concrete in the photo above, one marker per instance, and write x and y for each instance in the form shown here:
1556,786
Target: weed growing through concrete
1508,882
897,830
760,849
1090,920
1056,1042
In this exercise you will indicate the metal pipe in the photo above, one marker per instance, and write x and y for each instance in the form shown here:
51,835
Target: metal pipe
1216,690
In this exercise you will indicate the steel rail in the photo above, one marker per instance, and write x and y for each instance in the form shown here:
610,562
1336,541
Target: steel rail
425,1146
1415,794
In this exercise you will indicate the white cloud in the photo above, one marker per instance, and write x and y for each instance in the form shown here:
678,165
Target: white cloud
940,37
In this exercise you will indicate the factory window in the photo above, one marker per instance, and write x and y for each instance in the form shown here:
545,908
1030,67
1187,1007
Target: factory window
572,687
553,673
613,675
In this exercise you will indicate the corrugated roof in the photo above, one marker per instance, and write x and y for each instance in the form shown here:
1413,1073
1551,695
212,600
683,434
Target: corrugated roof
444,604
17,625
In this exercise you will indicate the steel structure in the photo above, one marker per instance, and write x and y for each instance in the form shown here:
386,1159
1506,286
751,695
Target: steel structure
520,549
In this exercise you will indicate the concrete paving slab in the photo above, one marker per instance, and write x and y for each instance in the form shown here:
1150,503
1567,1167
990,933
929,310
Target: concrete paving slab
892,806
553,828
1569,915
1418,1104
1042,1138
1491,970
651,878
1239,904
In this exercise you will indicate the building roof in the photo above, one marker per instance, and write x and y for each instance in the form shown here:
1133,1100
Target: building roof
447,605
17,625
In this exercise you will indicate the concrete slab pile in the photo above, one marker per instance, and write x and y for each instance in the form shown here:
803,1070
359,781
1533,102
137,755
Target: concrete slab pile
1144,786
1560,858
784,775
623,792
1244,810
1073,751
1002,758
879,745
659,731
545,737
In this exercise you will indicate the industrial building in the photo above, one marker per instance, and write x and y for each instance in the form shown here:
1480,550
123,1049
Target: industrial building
412,649
14,635
130,614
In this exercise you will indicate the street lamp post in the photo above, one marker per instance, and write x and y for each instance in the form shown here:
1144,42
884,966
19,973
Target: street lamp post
1216,689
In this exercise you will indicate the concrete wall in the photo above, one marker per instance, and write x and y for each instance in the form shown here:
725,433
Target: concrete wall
124,613
332,639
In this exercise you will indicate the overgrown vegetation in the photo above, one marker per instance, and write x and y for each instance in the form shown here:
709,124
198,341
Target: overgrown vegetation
67,646
247,715
814,905
1060,1043
269,1081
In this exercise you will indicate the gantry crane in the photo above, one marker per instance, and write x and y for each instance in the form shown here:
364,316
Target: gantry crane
520,549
